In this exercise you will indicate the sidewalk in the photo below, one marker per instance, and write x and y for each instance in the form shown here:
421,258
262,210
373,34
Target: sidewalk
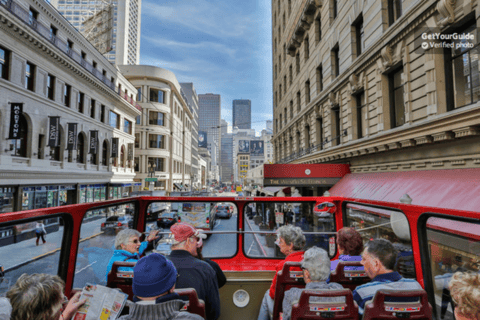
25,251
261,240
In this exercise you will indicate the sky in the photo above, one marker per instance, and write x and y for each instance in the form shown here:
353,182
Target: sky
222,46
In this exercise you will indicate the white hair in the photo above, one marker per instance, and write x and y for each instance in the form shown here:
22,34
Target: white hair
317,262
124,236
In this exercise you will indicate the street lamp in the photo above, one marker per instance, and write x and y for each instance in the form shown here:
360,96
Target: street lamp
151,171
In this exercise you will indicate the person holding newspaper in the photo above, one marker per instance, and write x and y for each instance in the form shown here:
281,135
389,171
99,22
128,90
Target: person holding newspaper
154,279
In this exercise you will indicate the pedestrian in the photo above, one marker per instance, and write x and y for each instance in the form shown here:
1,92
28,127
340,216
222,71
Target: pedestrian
40,231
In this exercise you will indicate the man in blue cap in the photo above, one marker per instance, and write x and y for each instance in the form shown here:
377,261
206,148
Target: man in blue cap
154,280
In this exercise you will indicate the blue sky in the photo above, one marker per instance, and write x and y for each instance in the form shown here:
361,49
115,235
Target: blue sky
222,46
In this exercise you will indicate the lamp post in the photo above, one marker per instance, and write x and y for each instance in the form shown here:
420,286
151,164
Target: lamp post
151,171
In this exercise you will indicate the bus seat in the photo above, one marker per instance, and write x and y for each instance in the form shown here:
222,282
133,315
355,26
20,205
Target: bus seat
286,279
349,279
121,279
381,309
304,309
194,304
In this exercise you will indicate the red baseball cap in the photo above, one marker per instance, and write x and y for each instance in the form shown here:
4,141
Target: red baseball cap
182,231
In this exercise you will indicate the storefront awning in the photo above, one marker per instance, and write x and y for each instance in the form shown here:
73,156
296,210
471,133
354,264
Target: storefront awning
304,175
449,189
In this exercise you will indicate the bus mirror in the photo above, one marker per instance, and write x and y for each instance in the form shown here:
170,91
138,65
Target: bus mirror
324,209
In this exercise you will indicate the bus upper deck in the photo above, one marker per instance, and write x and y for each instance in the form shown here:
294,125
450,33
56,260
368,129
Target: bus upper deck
433,242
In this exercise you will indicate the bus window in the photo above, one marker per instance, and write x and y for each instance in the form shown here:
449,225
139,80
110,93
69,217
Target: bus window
452,246
23,252
97,238
375,223
262,219
207,216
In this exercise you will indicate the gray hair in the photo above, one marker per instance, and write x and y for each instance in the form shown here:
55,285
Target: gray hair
293,235
317,262
37,296
124,236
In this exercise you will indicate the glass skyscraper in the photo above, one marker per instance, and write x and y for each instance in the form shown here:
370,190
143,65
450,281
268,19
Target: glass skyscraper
242,114
209,112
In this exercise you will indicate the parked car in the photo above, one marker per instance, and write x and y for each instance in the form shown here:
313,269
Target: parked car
167,219
116,223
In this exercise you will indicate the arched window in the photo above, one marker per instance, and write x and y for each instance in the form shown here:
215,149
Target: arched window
20,145
80,152
122,157
105,153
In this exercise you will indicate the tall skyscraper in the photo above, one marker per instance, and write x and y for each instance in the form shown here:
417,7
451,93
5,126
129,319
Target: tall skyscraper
209,113
125,47
226,159
242,114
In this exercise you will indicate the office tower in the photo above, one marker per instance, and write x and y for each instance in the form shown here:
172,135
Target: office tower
223,127
242,114
226,159
125,47
209,112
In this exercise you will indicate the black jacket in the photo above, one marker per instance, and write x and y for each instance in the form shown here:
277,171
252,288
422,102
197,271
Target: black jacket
197,274
221,279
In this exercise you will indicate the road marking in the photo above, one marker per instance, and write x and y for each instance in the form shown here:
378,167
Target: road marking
86,267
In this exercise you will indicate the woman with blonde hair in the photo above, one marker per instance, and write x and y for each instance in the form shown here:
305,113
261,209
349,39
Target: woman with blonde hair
465,293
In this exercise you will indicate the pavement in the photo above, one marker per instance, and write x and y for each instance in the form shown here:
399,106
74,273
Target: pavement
26,251
259,240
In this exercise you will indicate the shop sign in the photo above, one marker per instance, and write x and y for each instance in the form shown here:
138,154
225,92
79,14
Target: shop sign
72,136
93,143
53,132
16,111
301,182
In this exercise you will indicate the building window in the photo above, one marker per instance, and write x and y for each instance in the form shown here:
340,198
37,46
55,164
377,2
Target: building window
50,87
156,95
397,104
29,76
92,108
359,36
318,29
4,62
461,72
114,120
138,119
290,74
306,47
319,74
102,113
281,121
156,118
136,164
285,113
70,47
137,140
307,92
333,9
335,61
291,109
156,141
362,124
299,102
297,62
105,153
158,162
32,17
139,94
319,131
127,126
80,149
336,126
81,99
394,10
285,84
67,94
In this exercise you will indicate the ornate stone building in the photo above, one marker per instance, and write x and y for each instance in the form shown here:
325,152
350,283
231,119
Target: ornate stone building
360,82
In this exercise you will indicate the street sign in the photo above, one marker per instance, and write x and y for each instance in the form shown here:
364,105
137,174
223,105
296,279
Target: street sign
150,179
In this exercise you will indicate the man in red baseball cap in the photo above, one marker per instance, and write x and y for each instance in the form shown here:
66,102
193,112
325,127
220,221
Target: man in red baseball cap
192,272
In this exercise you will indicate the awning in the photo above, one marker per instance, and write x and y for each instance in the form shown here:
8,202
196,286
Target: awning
449,189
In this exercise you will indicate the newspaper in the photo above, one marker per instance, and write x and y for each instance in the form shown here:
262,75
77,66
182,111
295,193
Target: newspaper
102,303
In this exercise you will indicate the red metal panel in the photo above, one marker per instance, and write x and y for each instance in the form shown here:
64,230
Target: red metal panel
302,170
449,189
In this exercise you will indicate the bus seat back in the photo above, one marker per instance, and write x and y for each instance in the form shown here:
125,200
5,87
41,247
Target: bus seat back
381,309
291,276
194,305
349,279
121,279
307,308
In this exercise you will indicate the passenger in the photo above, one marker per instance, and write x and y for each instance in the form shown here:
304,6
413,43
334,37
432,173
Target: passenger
291,241
379,258
153,286
221,279
194,273
40,296
350,246
465,292
128,247
316,270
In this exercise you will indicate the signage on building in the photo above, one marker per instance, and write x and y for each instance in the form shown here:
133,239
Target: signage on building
114,147
71,136
16,111
53,132
244,146
202,139
301,182
256,147
93,142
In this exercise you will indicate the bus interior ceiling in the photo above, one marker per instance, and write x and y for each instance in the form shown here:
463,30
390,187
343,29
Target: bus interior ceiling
433,242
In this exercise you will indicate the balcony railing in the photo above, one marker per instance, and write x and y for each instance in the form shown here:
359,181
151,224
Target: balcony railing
45,32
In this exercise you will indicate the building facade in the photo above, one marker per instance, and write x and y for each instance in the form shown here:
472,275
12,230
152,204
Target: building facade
67,124
209,116
226,159
353,83
242,114
241,144
126,25
163,135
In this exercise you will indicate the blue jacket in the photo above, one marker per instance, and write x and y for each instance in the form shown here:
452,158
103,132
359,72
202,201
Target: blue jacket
125,256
